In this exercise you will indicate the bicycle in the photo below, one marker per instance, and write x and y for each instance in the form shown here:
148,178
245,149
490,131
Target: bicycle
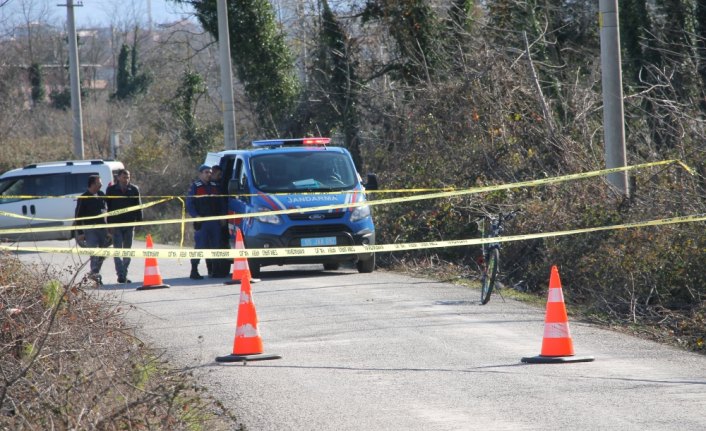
489,262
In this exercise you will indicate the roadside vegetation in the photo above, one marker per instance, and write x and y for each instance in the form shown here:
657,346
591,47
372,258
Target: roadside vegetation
428,96
68,361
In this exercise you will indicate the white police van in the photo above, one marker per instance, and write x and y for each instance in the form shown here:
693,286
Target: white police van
53,187
283,174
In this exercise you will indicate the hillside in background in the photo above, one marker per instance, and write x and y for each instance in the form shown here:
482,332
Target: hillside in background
427,95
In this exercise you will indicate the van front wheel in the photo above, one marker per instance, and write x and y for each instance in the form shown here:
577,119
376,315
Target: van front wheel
367,265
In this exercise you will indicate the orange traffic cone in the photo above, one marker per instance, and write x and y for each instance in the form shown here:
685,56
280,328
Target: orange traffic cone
241,269
152,278
557,345
247,345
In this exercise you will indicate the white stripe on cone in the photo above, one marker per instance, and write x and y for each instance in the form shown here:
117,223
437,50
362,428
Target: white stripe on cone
244,298
247,331
555,295
151,270
556,330
238,243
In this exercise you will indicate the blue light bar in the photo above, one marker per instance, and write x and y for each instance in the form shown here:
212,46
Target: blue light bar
292,142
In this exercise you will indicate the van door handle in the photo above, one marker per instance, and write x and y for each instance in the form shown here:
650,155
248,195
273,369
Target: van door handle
24,209
32,210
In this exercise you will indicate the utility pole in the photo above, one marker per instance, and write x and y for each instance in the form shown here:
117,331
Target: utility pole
613,111
227,107
75,81
149,16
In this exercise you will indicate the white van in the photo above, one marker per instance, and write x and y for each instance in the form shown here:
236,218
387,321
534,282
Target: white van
66,179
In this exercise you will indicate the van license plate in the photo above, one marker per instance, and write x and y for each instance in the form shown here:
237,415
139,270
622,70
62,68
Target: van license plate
318,242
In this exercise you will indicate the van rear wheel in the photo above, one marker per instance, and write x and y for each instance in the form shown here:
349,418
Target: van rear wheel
367,265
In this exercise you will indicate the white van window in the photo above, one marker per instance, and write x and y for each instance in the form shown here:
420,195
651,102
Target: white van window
12,187
43,185
78,183
297,172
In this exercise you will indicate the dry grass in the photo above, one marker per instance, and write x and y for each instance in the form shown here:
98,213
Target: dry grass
69,362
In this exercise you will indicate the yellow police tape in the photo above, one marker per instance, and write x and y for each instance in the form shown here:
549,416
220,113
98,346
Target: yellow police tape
475,190
444,191
336,250
108,214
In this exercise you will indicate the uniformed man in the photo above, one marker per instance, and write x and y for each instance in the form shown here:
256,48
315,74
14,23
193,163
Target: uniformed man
199,203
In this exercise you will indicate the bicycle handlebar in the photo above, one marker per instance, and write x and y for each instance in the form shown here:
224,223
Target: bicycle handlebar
503,216
511,215
496,222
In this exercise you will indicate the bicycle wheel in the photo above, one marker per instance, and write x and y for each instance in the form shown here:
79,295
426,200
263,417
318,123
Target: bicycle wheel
490,272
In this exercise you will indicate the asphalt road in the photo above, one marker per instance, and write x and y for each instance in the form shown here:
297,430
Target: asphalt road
384,351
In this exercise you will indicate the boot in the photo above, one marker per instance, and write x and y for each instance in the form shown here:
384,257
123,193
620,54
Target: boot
195,270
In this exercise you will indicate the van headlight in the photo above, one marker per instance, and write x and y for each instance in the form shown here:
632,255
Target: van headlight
271,219
359,213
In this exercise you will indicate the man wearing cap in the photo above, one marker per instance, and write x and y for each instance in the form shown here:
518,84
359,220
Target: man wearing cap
220,268
199,203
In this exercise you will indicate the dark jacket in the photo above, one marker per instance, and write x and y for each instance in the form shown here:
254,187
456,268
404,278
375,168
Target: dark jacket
129,198
204,206
92,205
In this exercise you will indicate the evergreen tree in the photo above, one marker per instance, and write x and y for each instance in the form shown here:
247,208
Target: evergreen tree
673,76
700,30
264,63
336,75
677,28
129,80
416,30
122,79
542,25
635,26
61,99
36,80
192,86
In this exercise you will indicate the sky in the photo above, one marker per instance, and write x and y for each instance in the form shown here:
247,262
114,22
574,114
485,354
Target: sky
105,11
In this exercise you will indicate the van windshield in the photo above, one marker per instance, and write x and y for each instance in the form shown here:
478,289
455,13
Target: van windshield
303,171
10,188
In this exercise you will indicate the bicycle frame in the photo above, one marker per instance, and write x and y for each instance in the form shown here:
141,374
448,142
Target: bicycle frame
490,266
496,229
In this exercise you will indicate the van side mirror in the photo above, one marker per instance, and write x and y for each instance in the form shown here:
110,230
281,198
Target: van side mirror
371,182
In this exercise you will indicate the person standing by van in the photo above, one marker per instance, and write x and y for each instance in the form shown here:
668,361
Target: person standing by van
200,203
220,268
92,203
123,195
